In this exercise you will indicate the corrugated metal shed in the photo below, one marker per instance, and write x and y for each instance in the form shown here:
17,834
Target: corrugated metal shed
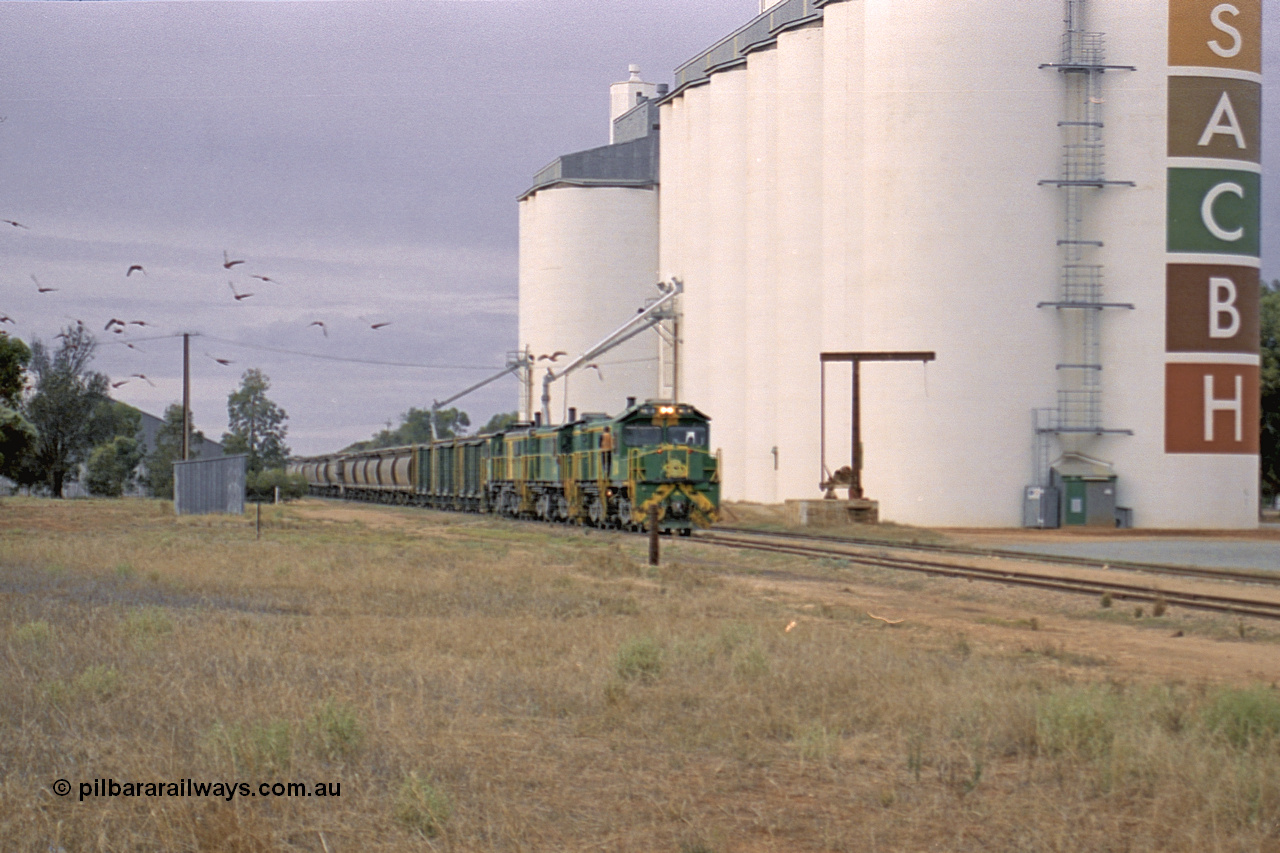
204,486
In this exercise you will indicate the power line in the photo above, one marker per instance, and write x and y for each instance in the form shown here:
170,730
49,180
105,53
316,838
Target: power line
122,342
347,359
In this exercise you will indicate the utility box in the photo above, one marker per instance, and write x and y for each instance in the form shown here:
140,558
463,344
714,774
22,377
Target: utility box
204,486
1088,492
1040,507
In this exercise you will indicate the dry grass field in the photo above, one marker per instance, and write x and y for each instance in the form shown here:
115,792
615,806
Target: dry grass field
477,685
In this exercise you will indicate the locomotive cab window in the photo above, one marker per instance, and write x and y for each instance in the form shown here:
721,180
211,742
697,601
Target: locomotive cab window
691,436
639,435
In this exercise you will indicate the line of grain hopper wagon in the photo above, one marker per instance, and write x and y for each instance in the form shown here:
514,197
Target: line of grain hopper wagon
597,470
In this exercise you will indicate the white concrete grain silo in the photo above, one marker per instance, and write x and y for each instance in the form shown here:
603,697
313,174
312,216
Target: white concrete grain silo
588,262
1028,229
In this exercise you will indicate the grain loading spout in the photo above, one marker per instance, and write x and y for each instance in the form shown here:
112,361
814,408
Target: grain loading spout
645,319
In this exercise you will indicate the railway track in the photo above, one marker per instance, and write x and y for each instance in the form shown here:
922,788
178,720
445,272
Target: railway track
840,549
1194,572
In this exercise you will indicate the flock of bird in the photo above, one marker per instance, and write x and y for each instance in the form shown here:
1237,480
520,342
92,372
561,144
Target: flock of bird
118,326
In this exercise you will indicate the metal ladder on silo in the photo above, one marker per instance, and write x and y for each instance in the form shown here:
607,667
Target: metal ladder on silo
1079,395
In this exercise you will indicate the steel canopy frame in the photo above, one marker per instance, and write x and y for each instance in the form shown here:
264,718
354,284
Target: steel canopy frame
855,359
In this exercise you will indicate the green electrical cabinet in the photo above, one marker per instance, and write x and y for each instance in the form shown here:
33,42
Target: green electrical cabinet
1088,490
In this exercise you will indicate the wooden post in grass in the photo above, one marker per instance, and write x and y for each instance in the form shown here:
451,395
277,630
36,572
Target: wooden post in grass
653,535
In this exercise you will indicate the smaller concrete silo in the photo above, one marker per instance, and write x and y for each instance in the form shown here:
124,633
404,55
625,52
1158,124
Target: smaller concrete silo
589,261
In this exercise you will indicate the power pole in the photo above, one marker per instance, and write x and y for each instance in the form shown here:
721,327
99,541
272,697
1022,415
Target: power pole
186,397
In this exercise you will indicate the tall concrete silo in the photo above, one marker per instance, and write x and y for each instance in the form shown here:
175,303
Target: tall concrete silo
1020,241
589,261
1050,199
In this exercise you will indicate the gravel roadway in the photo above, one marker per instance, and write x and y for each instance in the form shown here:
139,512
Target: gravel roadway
1258,550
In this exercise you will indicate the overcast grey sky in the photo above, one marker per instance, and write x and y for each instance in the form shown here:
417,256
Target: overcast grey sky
366,156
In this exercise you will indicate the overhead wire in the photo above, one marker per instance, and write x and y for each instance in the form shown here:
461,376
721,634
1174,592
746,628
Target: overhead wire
316,355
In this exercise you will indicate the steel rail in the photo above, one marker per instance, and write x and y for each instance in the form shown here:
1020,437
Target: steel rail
1237,575
1175,598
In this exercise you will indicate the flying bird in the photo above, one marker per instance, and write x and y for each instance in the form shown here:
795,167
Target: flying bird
237,295
322,326
261,277
380,325
137,268
144,379
223,361
113,322
4,318
121,382
41,288
139,323
555,355
227,263
14,224
596,368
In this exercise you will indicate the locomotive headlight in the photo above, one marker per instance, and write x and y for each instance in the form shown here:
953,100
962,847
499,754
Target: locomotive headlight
666,410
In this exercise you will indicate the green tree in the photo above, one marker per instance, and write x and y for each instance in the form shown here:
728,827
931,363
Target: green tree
415,428
112,418
17,435
499,422
14,358
168,449
262,485
450,422
112,466
62,407
1270,352
257,425
17,439
113,463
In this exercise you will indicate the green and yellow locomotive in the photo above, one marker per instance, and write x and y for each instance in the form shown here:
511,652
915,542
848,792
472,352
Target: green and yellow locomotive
609,472
595,470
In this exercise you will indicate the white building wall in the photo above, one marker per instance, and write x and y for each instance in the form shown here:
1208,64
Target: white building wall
1131,222
588,261
531,319
960,246
672,187
799,225
698,356
842,202
760,304
727,266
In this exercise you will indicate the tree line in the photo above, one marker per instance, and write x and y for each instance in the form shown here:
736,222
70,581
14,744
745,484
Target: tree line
58,424
419,426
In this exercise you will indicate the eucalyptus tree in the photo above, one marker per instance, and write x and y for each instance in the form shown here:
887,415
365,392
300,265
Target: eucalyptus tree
256,425
64,407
